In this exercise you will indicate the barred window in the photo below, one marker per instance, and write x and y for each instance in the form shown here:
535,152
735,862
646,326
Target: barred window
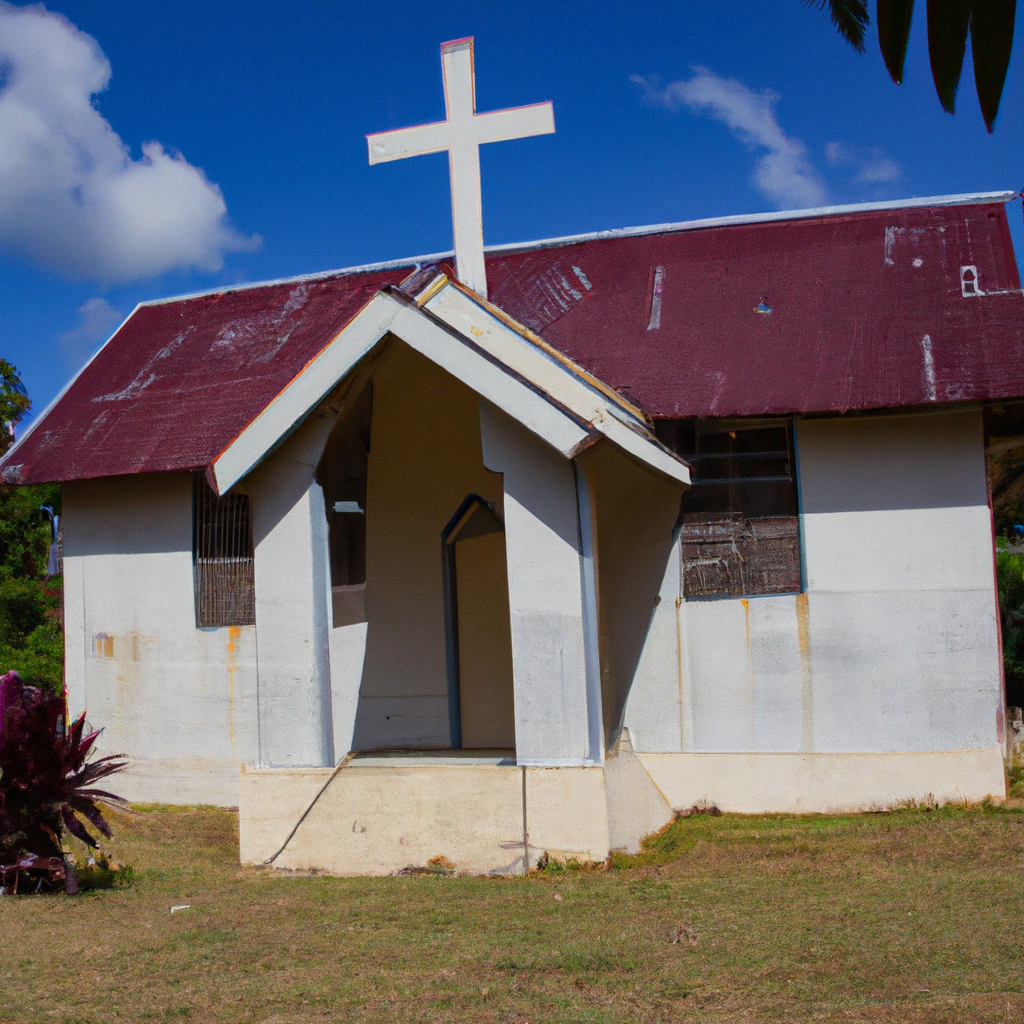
222,557
740,526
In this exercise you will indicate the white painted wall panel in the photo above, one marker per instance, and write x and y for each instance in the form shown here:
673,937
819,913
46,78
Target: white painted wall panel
901,641
635,510
899,549
912,670
654,705
902,609
545,594
722,682
913,461
293,597
179,701
348,651
77,642
744,668
775,666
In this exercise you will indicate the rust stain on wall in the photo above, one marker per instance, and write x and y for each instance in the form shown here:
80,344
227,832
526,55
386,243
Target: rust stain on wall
234,634
679,666
750,672
806,679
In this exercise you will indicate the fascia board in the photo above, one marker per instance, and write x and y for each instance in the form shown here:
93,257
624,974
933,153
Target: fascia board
635,444
304,393
491,378
383,314
554,378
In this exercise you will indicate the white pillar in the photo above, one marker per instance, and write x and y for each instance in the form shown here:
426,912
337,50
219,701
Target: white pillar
557,702
292,606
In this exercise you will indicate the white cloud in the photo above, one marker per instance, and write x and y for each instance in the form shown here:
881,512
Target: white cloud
71,196
97,319
870,164
783,174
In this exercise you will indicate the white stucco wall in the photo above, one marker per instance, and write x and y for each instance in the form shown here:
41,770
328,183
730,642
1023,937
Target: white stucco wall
179,701
898,538
557,693
293,601
894,644
634,513
892,651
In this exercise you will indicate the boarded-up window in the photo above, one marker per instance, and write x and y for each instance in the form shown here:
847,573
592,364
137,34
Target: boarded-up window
223,557
740,527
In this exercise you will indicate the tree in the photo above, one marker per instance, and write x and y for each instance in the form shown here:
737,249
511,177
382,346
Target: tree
14,403
31,634
989,23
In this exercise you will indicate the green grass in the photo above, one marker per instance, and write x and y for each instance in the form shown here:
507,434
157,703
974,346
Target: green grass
912,915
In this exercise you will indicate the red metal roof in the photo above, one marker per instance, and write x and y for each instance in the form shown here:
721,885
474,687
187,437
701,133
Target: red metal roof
852,300
181,379
868,310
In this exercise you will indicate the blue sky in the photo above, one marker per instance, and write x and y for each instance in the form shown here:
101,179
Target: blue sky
253,117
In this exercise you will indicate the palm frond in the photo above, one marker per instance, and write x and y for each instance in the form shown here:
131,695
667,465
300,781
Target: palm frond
991,42
948,22
850,18
893,17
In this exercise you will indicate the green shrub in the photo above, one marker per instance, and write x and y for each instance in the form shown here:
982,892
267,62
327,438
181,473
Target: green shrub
1010,577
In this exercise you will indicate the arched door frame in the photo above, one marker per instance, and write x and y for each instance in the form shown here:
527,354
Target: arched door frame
475,517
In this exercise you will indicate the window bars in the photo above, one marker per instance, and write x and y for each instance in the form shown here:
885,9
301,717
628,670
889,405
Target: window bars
739,522
222,557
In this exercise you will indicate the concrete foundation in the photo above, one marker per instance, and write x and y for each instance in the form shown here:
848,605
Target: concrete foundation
381,814
378,815
826,783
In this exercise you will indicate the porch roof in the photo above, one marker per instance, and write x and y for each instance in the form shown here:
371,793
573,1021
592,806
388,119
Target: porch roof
480,345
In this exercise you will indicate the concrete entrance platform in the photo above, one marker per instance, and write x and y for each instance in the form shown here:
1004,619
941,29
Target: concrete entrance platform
379,813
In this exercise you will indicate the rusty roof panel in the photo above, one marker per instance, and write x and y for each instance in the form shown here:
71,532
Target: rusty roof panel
861,311
181,379
874,309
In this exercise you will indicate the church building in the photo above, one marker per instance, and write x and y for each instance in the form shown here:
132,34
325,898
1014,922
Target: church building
524,555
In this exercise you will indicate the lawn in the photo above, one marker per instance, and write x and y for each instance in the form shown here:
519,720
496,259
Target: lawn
912,915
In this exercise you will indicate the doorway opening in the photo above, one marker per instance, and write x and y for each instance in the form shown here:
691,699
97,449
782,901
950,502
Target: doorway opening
478,632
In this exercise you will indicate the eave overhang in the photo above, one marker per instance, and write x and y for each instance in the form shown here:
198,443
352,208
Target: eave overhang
499,359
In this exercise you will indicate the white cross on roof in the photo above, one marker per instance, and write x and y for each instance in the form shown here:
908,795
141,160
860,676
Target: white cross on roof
461,134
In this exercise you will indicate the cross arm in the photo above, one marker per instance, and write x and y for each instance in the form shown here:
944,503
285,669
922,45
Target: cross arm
403,142
514,123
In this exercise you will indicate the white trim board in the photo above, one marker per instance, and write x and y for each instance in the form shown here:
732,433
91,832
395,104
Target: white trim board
547,397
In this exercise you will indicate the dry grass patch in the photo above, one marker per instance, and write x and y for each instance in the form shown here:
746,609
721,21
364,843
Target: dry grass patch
905,916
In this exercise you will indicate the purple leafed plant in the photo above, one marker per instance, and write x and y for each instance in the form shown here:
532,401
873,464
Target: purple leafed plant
46,785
